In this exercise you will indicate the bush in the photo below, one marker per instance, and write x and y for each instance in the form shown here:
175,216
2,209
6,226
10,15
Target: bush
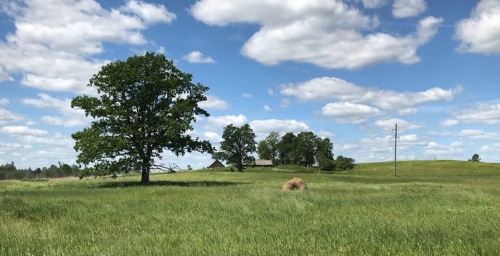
344,163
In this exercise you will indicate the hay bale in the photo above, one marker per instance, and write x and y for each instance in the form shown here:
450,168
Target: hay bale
295,183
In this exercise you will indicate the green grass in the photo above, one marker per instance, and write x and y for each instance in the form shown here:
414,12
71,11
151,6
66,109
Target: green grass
432,208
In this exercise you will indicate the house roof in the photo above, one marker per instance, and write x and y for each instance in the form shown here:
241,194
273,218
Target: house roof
216,163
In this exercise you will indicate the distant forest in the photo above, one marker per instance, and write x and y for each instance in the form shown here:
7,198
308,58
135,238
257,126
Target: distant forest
11,172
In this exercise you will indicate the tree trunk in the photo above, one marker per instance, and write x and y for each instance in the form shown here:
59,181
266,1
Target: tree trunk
145,175
240,168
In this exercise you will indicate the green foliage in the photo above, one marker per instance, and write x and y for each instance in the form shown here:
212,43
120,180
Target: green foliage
344,163
285,147
146,105
263,150
475,158
237,146
304,147
324,163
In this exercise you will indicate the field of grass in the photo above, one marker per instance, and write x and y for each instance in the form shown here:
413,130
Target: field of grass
432,208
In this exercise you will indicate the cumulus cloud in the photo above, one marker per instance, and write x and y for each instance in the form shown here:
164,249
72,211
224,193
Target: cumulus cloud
407,111
280,126
70,117
483,113
333,88
267,108
480,33
214,102
372,4
346,112
408,8
55,52
389,124
223,121
434,148
213,137
197,57
270,91
21,130
7,117
4,101
247,95
305,32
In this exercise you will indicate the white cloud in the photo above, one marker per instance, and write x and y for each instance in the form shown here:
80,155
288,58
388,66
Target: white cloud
325,134
160,50
280,126
197,57
433,148
267,108
71,117
407,111
408,8
214,102
389,124
247,95
150,13
285,103
54,52
4,101
9,117
483,113
333,88
213,137
492,148
270,91
480,33
346,112
305,32
372,4
21,130
4,76
473,134
223,121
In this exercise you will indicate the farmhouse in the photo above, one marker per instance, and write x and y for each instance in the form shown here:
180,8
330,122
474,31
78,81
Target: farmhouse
215,164
260,163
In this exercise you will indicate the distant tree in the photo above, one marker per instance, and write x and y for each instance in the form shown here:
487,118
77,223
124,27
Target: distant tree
146,105
237,146
475,158
324,163
324,147
272,141
304,148
263,150
285,148
344,163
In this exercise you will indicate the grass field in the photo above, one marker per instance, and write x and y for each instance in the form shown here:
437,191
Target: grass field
432,208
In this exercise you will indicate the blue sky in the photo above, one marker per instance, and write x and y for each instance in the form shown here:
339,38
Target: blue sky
348,70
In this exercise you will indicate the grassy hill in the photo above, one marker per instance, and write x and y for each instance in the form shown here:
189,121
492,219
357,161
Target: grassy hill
432,208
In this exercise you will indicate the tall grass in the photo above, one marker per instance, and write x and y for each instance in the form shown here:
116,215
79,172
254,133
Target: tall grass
432,208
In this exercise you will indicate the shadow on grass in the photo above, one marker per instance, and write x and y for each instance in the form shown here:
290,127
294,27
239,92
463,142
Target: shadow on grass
120,184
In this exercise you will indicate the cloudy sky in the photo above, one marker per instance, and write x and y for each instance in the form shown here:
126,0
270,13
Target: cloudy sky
348,70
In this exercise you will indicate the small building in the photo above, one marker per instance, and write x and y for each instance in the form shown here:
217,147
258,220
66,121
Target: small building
216,164
261,163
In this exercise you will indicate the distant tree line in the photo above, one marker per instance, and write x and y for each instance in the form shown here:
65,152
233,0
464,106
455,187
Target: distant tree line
305,148
11,172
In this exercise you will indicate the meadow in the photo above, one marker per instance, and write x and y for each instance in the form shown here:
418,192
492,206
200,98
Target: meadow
431,208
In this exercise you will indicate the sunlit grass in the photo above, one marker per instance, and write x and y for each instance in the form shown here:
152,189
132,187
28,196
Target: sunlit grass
432,208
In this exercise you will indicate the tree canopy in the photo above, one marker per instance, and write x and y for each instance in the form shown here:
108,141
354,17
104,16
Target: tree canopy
237,146
145,105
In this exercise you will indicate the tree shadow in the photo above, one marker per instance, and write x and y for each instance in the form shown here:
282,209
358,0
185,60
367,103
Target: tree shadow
122,184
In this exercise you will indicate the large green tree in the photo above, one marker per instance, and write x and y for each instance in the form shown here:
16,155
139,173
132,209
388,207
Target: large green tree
285,147
145,105
263,150
304,148
237,146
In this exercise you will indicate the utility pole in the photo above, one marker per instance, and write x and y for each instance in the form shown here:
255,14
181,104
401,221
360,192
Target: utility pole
395,131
